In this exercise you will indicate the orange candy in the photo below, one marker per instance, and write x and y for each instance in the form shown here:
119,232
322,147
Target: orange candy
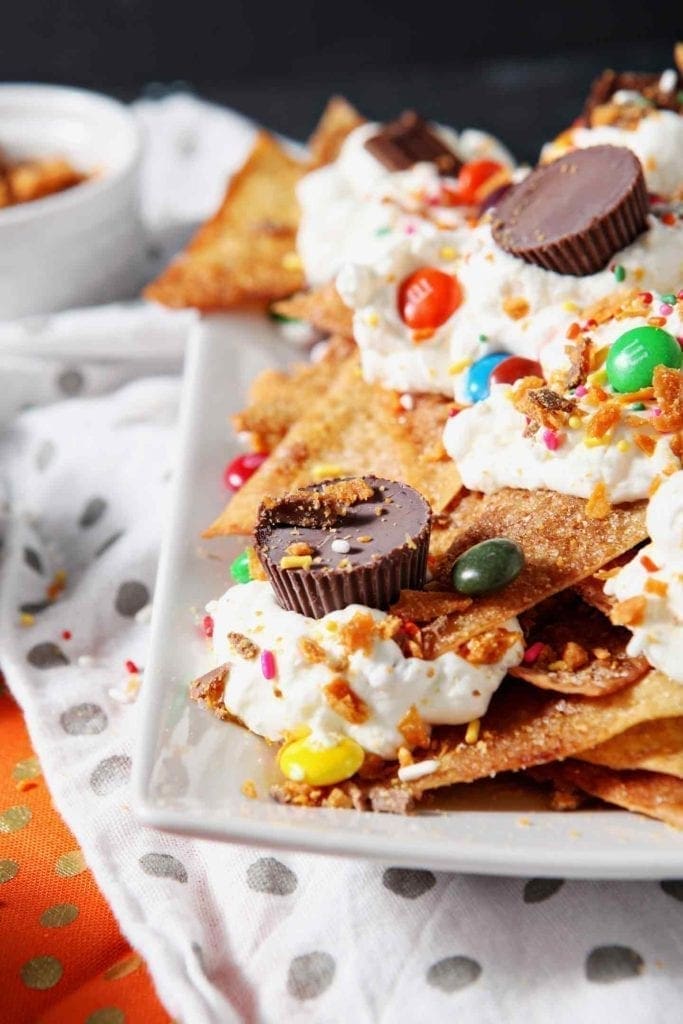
427,298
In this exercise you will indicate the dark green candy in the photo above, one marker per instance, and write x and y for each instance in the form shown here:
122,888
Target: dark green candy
239,570
633,357
488,566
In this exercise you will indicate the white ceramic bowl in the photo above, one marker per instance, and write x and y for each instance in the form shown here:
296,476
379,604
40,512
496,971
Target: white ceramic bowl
84,245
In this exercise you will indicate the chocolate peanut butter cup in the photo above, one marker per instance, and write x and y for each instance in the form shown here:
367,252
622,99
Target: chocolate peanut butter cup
342,542
574,214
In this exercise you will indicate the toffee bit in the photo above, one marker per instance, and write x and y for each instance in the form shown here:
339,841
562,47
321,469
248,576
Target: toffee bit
668,390
630,612
321,508
660,588
415,731
299,548
242,646
598,505
489,647
603,420
580,354
516,307
345,702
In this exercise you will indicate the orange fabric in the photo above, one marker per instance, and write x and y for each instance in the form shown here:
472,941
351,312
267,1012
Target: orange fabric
62,957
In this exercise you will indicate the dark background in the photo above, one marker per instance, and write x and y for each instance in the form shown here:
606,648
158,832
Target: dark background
521,70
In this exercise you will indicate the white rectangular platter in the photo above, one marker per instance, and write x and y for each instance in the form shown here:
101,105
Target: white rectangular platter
190,767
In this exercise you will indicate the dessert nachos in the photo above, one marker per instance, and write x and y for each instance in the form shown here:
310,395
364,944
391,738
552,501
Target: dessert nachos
464,514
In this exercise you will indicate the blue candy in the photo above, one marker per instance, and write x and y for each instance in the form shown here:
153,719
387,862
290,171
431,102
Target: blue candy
478,382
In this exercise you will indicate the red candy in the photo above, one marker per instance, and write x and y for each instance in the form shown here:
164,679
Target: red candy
515,368
207,626
131,667
237,472
428,297
470,180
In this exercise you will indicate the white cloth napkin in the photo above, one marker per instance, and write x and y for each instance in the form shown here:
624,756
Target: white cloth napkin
232,933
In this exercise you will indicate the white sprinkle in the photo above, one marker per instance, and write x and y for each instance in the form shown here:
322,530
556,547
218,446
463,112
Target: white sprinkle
340,547
319,351
668,80
129,693
86,661
407,401
145,614
299,332
626,96
410,772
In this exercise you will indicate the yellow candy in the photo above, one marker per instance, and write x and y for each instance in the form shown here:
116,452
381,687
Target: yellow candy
302,761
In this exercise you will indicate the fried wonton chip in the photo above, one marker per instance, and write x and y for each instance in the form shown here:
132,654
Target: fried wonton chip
277,398
354,429
337,122
650,793
526,726
323,307
653,746
580,650
561,545
245,253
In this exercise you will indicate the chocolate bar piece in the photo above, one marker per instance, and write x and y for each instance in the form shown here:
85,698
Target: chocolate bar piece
409,140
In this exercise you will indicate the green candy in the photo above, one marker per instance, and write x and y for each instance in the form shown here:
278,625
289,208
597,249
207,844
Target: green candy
488,566
634,356
239,570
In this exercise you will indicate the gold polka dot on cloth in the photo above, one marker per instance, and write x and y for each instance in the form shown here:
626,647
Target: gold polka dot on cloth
66,962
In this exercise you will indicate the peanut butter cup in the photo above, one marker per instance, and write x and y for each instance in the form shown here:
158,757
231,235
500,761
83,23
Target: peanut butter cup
574,214
342,542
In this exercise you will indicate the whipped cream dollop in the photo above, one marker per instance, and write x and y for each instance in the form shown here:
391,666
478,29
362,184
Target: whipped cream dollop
507,306
447,690
354,209
488,443
655,575
656,139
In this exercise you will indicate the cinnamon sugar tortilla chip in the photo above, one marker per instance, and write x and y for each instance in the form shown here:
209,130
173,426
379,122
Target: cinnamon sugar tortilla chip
653,746
354,429
322,307
526,726
338,120
582,651
650,793
277,398
561,545
245,253
426,605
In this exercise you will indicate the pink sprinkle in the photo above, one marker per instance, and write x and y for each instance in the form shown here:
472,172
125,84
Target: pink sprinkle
410,229
207,626
552,440
665,309
268,665
532,653
656,412
581,391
